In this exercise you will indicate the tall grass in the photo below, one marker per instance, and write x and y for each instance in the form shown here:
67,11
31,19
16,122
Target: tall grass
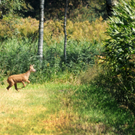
17,55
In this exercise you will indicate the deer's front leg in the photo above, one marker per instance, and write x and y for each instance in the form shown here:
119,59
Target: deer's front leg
28,81
23,84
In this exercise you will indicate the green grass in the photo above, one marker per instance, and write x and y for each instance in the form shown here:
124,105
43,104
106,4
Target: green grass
54,108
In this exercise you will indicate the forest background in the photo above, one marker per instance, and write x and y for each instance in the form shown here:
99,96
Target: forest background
85,25
93,58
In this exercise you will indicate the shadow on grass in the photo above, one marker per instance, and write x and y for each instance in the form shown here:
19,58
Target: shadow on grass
96,112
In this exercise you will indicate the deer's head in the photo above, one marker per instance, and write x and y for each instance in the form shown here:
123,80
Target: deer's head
32,68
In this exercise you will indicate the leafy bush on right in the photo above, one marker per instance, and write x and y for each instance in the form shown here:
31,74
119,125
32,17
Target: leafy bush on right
120,53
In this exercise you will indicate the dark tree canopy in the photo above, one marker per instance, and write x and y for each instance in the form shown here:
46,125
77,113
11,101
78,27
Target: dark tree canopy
54,9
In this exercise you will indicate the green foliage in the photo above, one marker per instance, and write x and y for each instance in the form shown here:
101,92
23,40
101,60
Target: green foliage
28,28
79,10
18,27
120,51
16,56
11,8
88,10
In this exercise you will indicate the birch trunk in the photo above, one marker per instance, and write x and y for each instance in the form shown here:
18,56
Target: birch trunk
41,30
65,32
1,16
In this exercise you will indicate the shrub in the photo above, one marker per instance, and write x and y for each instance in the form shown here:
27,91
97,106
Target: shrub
87,31
53,30
120,51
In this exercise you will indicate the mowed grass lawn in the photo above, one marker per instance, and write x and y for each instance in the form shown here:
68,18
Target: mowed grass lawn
33,110
20,112
66,109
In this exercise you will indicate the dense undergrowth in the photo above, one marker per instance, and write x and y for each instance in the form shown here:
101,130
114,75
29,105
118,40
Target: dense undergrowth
16,56
120,53
53,30
19,46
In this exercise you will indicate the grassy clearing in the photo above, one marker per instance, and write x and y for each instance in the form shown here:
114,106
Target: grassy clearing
29,111
18,109
54,108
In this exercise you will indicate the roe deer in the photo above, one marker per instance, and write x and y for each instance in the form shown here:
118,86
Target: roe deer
14,79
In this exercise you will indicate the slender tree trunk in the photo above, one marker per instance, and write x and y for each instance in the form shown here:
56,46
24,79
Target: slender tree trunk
1,16
65,32
109,6
41,30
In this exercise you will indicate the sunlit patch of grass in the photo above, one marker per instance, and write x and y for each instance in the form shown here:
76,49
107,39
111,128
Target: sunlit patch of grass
17,109
25,112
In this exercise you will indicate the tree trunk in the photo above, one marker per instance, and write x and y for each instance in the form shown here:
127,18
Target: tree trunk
65,32
109,6
41,30
1,16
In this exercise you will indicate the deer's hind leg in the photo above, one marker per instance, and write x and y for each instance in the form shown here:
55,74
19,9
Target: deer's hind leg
21,87
11,83
16,86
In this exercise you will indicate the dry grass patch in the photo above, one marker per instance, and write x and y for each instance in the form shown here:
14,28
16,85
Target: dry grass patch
59,121
65,122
